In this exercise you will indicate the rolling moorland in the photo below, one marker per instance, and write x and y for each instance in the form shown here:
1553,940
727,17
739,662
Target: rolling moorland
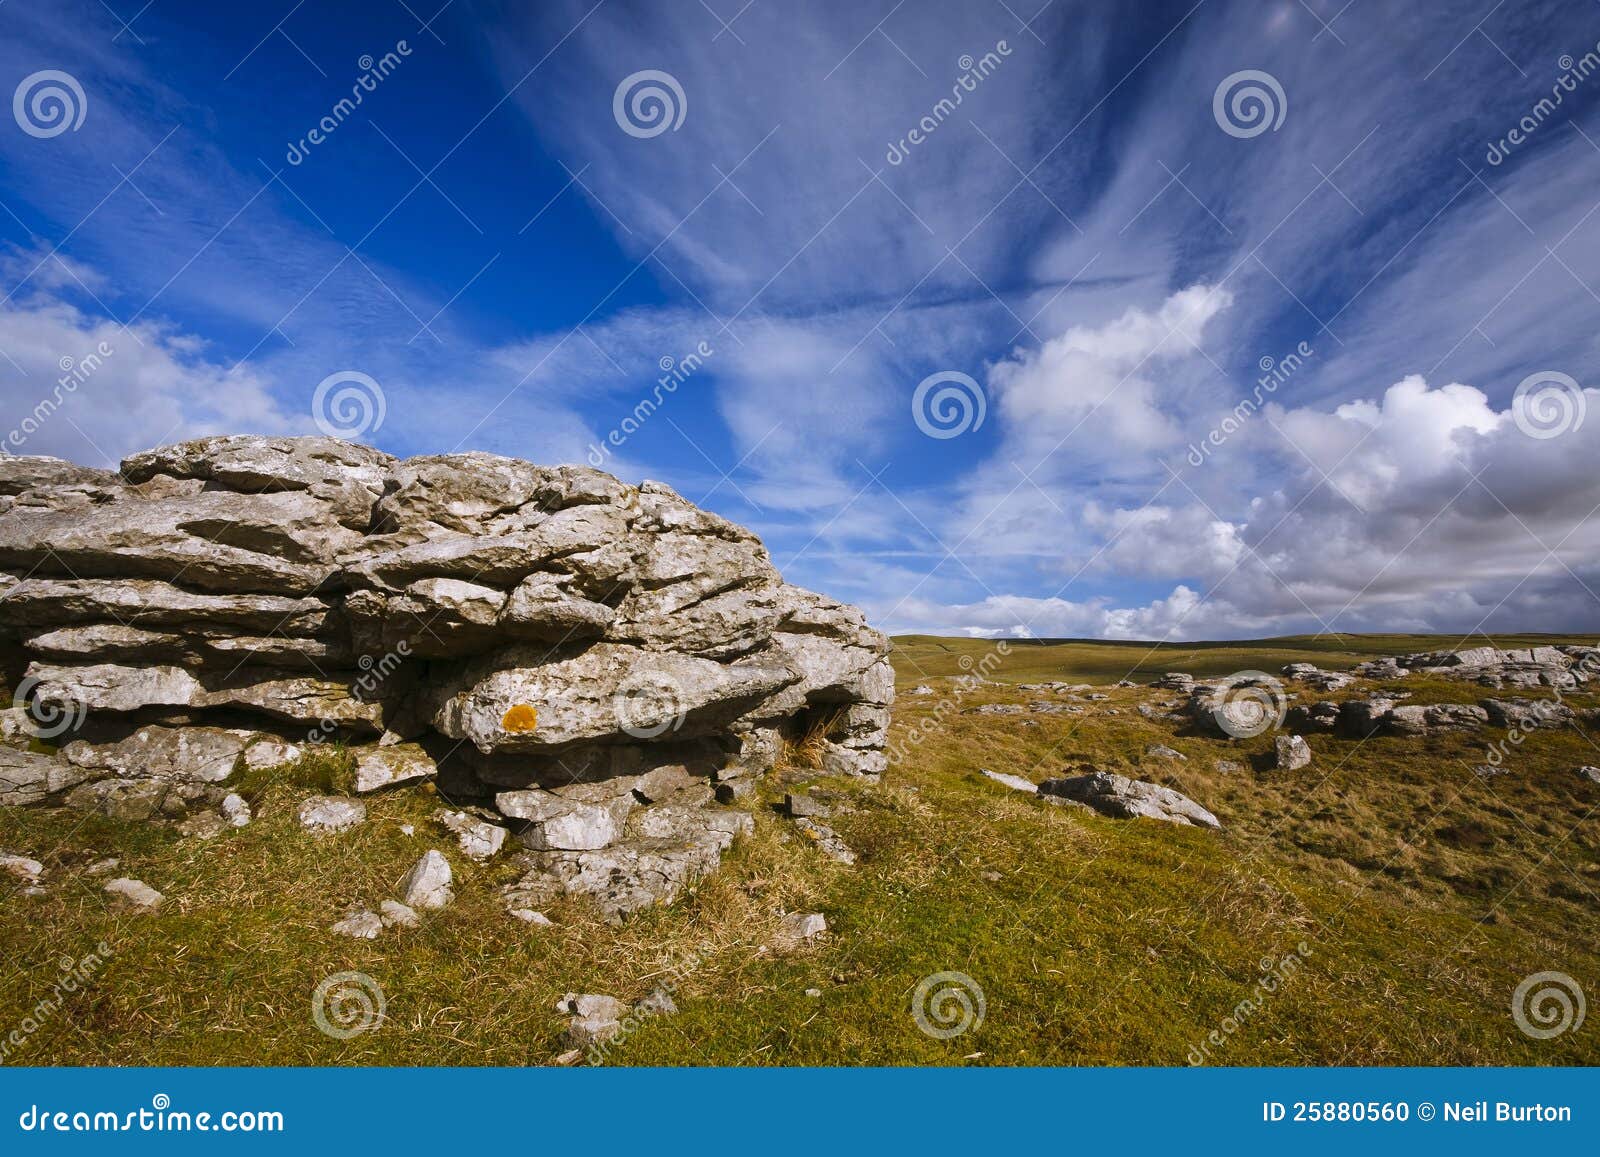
1411,895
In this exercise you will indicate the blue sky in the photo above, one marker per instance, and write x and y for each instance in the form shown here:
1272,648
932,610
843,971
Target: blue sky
1103,244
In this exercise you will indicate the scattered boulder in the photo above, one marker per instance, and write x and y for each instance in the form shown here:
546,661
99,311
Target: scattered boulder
20,868
331,813
827,841
235,810
1317,678
657,1002
1417,719
401,763
663,850
1528,714
269,752
360,925
1161,751
204,826
1124,798
397,915
1015,782
1291,752
479,838
798,804
799,929
1592,774
529,916
134,893
427,885
1565,666
596,1018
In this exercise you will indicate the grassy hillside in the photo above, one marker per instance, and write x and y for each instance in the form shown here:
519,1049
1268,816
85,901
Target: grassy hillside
1411,896
1096,661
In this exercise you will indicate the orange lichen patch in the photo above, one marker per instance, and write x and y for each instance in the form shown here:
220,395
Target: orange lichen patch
520,719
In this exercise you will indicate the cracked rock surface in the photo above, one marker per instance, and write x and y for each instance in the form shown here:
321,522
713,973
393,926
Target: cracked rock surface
589,663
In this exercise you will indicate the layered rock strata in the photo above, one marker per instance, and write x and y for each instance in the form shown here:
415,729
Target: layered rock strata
590,659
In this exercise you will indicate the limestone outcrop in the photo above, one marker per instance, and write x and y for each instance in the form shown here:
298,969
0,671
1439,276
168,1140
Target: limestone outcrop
589,659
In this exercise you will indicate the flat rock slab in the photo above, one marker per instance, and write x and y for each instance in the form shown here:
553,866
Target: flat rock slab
1117,795
797,930
331,813
1015,782
134,893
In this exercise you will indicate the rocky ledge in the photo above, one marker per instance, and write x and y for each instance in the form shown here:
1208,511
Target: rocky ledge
604,666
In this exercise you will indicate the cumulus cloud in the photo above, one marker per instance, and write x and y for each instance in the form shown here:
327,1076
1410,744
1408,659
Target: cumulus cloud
1422,509
91,390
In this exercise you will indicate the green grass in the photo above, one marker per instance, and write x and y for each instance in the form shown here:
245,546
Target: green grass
1421,894
1096,661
